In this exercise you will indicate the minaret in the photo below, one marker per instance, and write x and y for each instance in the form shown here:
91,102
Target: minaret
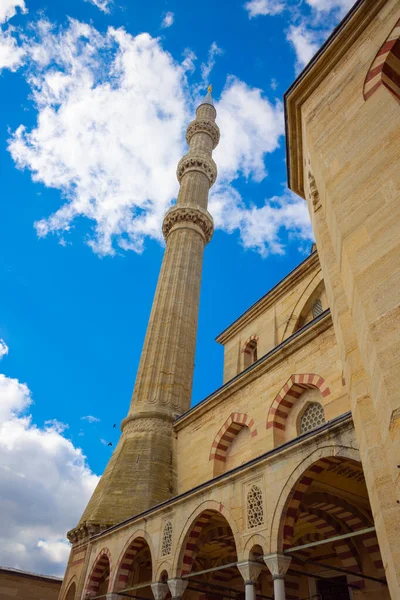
140,473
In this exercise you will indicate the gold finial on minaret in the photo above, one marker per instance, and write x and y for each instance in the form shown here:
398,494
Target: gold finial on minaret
141,472
209,89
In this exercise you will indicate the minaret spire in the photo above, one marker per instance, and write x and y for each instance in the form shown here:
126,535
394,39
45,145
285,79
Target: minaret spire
141,471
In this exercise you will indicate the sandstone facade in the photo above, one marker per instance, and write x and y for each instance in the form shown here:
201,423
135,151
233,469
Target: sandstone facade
284,482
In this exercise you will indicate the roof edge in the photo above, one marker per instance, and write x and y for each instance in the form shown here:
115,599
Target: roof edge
268,299
330,53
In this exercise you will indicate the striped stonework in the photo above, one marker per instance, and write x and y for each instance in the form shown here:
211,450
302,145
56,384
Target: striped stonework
220,535
229,430
293,510
253,339
192,542
353,518
101,565
327,527
291,391
385,69
126,565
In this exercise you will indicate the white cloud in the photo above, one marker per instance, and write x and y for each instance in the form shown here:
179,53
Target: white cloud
207,67
110,132
168,19
90,419
305,42
103,5
342,6
258,8
251,127
3,348
8,8
11,53
108,135
45,484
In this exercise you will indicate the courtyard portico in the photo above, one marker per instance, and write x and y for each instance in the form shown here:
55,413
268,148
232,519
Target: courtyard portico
301,531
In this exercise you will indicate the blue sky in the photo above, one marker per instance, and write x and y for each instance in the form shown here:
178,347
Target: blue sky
95,99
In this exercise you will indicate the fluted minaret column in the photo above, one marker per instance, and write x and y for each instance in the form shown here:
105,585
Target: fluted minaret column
140,473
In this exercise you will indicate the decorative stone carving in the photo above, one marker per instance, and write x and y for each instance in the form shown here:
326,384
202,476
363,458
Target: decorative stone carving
278,564
193,162
196,216
146,424
177,587
203,126
255,507
166,546
86,530
314,194
249,570
160,590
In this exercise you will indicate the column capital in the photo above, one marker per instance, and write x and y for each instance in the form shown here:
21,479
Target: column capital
177,587
160,590
181,216
278,564
249,570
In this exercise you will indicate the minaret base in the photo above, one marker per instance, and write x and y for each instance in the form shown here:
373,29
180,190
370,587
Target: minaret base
143,456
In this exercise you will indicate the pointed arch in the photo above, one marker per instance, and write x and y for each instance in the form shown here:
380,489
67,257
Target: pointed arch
312,291
229,430
249,351
139,543
71,590
385,68
100,571
209,517
284,400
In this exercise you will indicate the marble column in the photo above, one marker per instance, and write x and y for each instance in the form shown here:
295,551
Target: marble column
278,565
160,590
250,571
177,587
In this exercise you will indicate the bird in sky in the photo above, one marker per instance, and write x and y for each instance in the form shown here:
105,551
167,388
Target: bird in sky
109,443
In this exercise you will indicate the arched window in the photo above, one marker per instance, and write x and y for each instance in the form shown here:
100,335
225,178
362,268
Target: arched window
255,507
166,547
312,417
317,308
385,69
250,353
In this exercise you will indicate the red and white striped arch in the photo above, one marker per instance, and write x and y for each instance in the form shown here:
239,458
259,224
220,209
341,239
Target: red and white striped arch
126,566
291,391
253,339
100,566
385,69
229,430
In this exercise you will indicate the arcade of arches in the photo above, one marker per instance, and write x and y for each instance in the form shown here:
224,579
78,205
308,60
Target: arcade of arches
283,483
324,546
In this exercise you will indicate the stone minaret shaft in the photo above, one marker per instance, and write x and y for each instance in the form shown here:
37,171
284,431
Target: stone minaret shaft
140,473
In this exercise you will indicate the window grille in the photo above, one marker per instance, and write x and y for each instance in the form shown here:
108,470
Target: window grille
317,308
255,509
166,546
313,417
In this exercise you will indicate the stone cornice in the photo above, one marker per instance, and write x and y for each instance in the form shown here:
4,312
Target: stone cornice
196,162
179,215
337,425
203,126
330,53
299,339
281,288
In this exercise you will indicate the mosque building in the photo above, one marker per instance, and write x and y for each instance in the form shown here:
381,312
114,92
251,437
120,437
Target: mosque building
284,483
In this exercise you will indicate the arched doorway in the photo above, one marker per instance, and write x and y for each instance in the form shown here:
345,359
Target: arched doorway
328,530
208,559
134,570
71,592
99,579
